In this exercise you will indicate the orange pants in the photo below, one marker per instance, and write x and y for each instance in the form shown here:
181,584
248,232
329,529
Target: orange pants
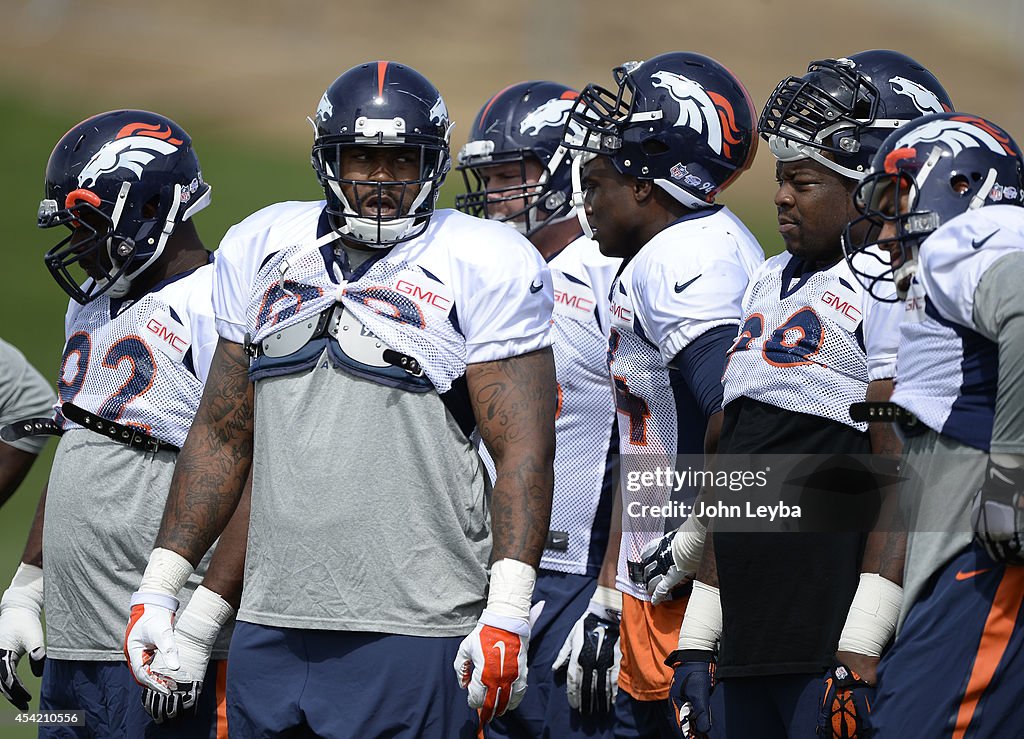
647,635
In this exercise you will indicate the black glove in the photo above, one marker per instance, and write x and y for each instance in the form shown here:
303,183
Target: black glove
845,705
998,514
692,683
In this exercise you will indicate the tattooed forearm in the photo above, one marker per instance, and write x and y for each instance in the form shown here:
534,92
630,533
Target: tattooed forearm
514,402
227,567
214,462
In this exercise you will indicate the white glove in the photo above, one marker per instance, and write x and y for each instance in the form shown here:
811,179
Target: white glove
21,631
491,661
591,654
195,633
150,625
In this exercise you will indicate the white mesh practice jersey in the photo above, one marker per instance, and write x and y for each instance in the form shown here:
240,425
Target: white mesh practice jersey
584,469
947,372
464,291
688,279
800,346
142,363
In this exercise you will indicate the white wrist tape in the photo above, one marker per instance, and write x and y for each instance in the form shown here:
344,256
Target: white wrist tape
872,617
511,589
166,573
204,616
688,544
26,590
606,604
702,622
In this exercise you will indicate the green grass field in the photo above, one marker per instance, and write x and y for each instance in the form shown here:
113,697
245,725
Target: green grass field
245,175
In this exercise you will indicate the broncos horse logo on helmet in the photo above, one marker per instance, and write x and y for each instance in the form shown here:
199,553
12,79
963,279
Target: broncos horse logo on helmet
552,112
925,100
132,153
957,133
701,110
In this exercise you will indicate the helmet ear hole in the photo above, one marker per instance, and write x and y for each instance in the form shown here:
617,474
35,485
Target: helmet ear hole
960,184
151,207
654,147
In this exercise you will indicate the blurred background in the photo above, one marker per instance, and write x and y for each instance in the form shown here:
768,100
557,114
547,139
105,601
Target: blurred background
241,77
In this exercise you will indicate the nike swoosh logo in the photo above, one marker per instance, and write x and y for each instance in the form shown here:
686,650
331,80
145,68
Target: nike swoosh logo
978,243
961,575
535,287
683,286
500,646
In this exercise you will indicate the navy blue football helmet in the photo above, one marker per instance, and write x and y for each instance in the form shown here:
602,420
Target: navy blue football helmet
120,181
522,122
925,174
381,104
841,110
680,119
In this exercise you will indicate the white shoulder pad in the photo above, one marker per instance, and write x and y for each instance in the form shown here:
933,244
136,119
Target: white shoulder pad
955,257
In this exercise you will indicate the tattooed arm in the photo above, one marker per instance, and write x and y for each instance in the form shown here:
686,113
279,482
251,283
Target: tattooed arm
514,403
214,463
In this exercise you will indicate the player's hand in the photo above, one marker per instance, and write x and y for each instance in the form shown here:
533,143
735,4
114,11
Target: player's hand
660,573
692,683
180,701
998,514
195,633
491,663
150,631
21,631
591,655
845,705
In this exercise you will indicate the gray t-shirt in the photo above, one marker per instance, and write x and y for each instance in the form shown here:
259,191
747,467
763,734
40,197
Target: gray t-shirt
369,510
24,393
103,509
944,474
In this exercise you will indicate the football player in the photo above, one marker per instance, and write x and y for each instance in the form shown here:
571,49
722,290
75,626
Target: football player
946,193
762,619
654,153
139,339
517,172
363,339
25,397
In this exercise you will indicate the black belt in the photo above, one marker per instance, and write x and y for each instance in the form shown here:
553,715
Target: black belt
884,412
871,412
30,427
127,435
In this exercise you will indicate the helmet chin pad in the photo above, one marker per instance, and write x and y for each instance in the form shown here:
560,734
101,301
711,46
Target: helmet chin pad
380,232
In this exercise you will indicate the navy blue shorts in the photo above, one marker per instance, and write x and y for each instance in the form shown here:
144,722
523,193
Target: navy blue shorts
112,702
636,719
767,707
545,710
337,684
957,664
